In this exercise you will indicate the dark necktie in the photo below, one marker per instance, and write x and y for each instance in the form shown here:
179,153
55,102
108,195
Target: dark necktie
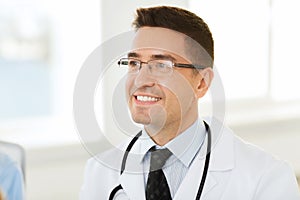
157,186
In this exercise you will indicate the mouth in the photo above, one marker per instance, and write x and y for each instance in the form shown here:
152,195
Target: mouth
146,99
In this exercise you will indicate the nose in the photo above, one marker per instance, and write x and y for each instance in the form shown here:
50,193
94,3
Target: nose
144,78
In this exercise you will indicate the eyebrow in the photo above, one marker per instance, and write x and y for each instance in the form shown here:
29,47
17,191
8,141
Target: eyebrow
155,56
163,57
133,54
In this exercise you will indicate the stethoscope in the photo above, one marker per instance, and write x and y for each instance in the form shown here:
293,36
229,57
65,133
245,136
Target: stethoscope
204,174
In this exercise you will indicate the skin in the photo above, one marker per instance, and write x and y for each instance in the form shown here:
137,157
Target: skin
176,96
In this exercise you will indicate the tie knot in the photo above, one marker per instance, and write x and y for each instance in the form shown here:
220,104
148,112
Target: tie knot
159,158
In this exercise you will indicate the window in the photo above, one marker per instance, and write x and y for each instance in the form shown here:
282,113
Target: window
285,63
25,71
43,44
255,46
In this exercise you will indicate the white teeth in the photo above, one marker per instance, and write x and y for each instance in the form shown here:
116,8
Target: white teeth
146,98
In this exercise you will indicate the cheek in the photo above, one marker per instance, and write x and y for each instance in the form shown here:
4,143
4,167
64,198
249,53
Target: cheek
180,88
128,86
178,99
173,99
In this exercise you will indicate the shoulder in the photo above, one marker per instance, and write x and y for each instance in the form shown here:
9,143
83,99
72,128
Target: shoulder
239,155
246,151
246,159
109,158
254,158
250,157
264,171
112,158
102,173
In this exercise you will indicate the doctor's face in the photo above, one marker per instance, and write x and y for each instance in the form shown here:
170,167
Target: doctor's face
156,98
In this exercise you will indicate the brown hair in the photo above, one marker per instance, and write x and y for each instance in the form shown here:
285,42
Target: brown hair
185,22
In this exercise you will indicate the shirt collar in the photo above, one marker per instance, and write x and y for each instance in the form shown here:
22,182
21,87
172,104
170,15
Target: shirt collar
185,146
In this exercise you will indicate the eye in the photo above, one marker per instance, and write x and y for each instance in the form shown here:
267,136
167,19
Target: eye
161,65
133,63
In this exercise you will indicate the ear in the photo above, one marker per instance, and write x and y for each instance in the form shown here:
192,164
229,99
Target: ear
205,77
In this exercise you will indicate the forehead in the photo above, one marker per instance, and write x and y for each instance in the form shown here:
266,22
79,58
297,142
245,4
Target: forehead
159,40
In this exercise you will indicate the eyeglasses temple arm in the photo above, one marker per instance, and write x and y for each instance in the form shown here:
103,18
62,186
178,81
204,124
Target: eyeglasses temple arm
189,66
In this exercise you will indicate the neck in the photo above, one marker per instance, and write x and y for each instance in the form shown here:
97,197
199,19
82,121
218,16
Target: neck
162,136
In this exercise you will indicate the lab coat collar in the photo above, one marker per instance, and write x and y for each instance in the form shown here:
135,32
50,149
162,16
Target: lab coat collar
222,147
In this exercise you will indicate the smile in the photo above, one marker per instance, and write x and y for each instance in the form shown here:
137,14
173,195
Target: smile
147,98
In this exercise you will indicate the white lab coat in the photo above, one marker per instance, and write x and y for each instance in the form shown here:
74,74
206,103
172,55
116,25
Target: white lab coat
237,171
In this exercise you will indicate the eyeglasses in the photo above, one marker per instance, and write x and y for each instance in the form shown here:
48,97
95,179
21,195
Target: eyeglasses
156,67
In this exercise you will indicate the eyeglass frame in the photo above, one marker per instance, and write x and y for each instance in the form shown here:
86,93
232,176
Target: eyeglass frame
179,65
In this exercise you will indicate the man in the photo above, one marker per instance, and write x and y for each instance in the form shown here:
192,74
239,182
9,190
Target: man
169,69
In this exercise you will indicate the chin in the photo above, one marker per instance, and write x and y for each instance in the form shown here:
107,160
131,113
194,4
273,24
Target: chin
141,120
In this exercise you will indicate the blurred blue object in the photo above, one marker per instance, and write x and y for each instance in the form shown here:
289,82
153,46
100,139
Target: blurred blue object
11,178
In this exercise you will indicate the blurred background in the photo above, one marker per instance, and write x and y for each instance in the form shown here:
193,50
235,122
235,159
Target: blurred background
44,43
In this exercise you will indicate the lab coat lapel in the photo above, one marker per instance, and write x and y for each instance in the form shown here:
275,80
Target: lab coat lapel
189,187
132,179
222,160
133,185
